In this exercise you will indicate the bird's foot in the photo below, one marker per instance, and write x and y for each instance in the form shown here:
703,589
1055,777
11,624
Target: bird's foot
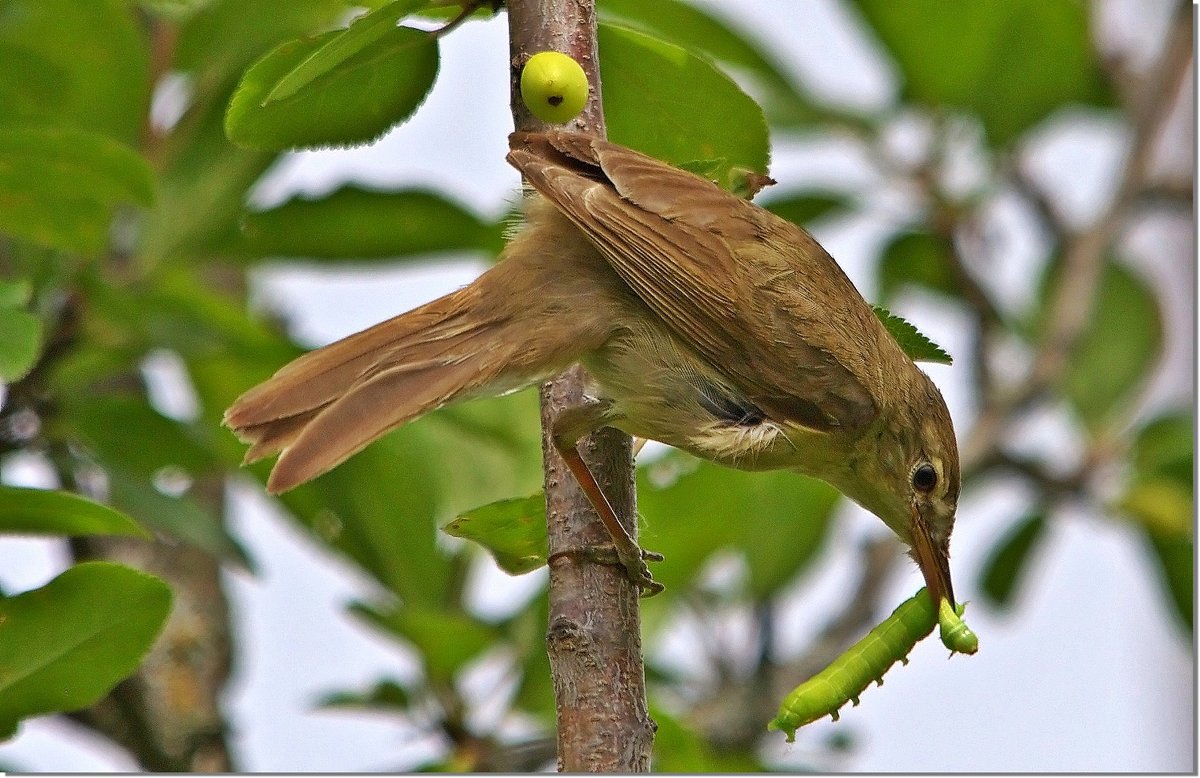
632,560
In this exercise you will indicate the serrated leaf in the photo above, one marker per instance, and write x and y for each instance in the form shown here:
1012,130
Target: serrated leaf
45,512
65,645
513,531
379,86
1008,562
365,31
356,224
918,347
651,90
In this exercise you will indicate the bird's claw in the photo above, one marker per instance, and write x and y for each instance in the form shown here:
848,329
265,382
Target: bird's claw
639,572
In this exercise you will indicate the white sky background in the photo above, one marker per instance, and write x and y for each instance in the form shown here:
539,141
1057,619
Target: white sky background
1088,674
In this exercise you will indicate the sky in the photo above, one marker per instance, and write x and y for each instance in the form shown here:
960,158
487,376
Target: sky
1089,673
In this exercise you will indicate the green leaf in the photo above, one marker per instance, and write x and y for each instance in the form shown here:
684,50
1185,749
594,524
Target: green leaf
126,431
914,343
58,187
20,343
45,512
378,87
1165,447
513,531
805,209
365,31
386,695
652,90
445,640
1161,492
916,258
354,223
693,508
1114,356
1008,562
1011,63
65,645
74,65
177,517
690,28
1175,557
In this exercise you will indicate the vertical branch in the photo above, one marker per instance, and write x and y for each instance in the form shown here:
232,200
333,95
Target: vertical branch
594,635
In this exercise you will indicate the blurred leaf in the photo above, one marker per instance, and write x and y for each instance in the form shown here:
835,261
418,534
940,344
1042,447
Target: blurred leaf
1120,346
652,94
224,36
693,508
913,342
65,645
802,210
1008,562
916,258
178,517
1175,557
513,531
325,61
46,512
445,641
75,65
678,749
1163,506
1011,63
126,431
356,224
58,186
20,343
1165,446
15,294
380,86
692,29
386,695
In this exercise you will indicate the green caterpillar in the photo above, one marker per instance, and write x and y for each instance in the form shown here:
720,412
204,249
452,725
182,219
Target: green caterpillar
868,659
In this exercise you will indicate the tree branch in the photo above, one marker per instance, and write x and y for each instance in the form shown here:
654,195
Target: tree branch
594,635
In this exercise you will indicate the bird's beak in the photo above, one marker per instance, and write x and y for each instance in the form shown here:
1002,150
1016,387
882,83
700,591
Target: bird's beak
932,560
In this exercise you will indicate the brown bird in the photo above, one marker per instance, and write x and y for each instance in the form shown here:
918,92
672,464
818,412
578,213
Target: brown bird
704,321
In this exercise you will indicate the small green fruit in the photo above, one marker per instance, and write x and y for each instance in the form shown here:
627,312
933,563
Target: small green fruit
554,87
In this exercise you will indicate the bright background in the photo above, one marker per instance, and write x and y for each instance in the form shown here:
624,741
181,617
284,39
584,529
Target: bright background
1088,674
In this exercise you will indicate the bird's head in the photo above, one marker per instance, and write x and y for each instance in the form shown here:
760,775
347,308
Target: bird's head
905,471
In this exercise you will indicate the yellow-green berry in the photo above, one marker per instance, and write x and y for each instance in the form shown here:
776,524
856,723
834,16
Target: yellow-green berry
554,87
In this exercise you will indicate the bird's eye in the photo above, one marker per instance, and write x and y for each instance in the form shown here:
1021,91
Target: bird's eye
924,478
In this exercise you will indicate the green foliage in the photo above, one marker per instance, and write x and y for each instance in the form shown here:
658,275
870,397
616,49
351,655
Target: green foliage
20,331
1013,62
63,646
44,512
360,224
354,100
512,530
59,186
802,210
1007,565
917,259
692,29
914,343
1122,342
651,90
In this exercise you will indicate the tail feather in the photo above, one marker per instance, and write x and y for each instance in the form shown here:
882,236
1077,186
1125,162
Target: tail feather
328,404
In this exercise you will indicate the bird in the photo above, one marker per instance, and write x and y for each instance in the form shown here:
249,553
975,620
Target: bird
703,321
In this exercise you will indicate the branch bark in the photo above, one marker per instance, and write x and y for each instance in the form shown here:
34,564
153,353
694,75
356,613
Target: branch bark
594,634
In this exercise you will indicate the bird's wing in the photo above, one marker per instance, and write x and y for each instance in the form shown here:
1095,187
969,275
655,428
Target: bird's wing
754,295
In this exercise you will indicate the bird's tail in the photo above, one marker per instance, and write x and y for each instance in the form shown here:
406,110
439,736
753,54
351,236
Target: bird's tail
496,335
